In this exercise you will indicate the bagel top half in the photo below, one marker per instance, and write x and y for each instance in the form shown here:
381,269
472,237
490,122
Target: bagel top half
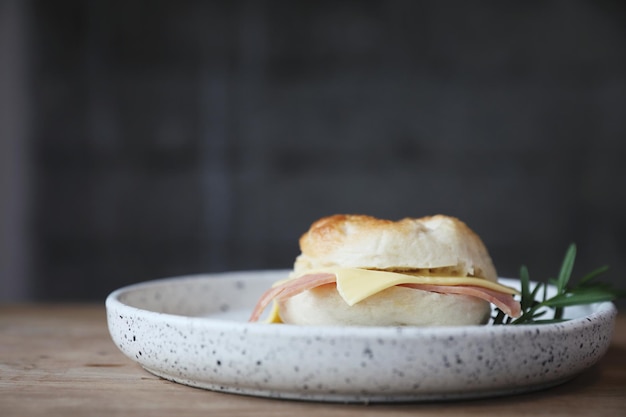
434,244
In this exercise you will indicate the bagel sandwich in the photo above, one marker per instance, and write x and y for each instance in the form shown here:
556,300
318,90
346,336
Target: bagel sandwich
358,270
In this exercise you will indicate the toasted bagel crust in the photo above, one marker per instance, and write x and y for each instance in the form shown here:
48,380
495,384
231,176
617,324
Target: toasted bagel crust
360,241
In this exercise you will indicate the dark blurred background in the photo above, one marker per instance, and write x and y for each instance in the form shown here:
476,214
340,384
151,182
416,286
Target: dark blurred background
141,140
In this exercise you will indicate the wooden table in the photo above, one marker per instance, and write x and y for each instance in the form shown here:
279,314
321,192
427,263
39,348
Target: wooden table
59,360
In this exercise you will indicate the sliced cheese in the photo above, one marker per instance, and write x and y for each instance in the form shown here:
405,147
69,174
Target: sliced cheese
355,284
274,316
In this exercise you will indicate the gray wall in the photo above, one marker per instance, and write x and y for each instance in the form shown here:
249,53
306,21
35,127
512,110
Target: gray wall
182,137
16,250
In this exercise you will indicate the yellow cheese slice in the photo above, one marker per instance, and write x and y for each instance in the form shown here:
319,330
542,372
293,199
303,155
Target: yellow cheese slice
355,284
273,317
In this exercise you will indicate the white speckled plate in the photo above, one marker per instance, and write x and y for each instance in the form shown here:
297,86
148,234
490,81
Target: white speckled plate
193,330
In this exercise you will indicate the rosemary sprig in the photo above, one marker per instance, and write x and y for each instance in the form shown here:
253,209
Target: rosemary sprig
536,305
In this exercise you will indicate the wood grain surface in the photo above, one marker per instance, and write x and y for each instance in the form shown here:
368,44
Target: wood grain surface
58,360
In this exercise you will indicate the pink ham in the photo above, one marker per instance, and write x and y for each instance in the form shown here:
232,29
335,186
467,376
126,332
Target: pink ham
289,289
504,302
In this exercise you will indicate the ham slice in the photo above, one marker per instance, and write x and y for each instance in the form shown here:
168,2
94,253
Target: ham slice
290,288
504,302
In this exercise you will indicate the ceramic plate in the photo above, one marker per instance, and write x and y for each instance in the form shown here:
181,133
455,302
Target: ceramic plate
194,331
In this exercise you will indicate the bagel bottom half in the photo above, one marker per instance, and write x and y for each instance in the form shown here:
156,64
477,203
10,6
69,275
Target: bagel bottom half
395,306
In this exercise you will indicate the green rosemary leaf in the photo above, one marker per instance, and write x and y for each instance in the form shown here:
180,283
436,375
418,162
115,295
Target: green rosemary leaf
527,298
566,269
528,317
499,318
588,290
533,295
593,275
589,296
